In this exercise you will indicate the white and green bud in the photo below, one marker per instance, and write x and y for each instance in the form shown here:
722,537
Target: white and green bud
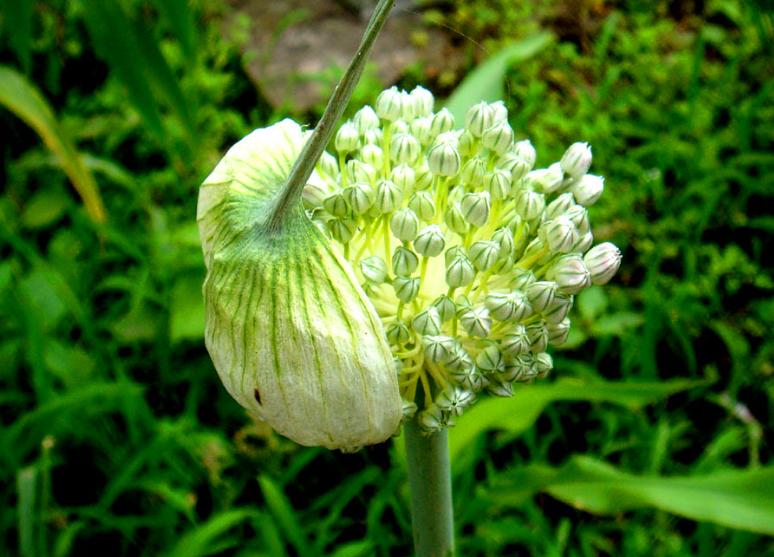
467,144
443,159
484,254
347,138
358,171
579,216
407,108
529,204
455,399
522,279
445,307
498,387
398,333
543,365
558,332
374,269
405,225
538,336
526,151
490,360
365,119
541,293
472,172
342,229
508,306
477,321
576,160
504,238
404,177
516,165
558,309
475,208
423,205
499,137
516,341
437,347
389,104
404,148
442,122
560,205
430,241
497,183
570,274
388,196
404,262
584,243
455,219
314,194
328,166
460,272
360,196
406,288
500,112
544,180
336,205
523,367
433,419
602,261
462,303
420,128
424,178
372,154
374,136
560,234
588,189
423,101
479,118
427,322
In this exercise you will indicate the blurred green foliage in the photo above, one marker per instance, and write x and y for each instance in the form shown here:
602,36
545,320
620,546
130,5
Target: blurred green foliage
116,436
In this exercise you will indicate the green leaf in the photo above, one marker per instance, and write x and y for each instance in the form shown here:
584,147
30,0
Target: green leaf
283,513
519,412
179,17
201,541
17,23
187,308
485,83
741,499
23,99
44,208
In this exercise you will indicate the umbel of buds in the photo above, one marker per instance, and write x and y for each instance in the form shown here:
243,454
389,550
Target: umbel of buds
427,266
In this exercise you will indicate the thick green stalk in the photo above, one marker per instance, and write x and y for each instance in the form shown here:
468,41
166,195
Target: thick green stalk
431,496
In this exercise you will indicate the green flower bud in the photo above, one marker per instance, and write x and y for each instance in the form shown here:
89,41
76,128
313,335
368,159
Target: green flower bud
389,104
516,341
388,196
347,138
584,243
475,208
314,194
427,322
558,309
544,180
529,204
541,293
560,234
423,205
602,262
398,127
498,138
409,410
328,166
538,336
577,160
342,229
570,273
365,119
452,253
437,347
466,144
360,196
420,128
404,148
489,360
445,307
558,332
403,176
497,183
454,399
511,306
503,237
442,122
291,333
458,359
460,272
500,112
373,136
559,206
462,303
336,205
404,225
358,171
473,172
517,166
588,189
455,220
524,366
433,419
406,288
443,159
543,365
424,178
526,151
404,261
374,269
523,279
372,154
423,101
429,242
500,388
579,216
398,333
484,254
407,109
477,322
479,118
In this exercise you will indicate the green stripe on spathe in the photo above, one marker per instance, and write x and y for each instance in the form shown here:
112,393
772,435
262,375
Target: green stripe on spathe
285,314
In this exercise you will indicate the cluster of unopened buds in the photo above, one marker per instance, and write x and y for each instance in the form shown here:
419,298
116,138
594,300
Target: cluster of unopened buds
470,256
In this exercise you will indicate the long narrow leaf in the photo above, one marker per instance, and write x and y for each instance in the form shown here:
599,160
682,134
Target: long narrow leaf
17,23
23,99
201,541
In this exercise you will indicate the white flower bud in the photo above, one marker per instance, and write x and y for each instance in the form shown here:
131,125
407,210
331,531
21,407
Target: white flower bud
458,359
455,220
407,109
498,387
541,293
583,243
588,189
498,138
360,196
473,172
365,119
455,399
484,254
443,121
443,159
445,307
571,274
529,204
406,288
404,262
544,180
424,178
490,360
409,410
374,269
579,216
522,279
437,347
543,365
423,101
559,234
577,160
404,148
462,303
404,225
373,136
388,196
460,272
602,261
558,309
559,205
328,165
477,322
504,238
500,112
342,229
347,138
475,208
433,419
423,205
398,333
479,118
420,128
372,154
516,165
538,336
430,242
522,367
336,205
497,183
388,104
403,176
398,126
358,171
516,341
558,332
509,306
526,151
313,195
466,144
427,322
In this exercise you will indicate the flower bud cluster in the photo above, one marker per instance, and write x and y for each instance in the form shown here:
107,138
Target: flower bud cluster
469,254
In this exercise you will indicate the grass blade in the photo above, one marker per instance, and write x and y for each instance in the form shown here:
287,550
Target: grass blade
285,516
202,540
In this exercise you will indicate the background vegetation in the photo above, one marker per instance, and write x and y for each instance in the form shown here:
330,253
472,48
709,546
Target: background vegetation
653,438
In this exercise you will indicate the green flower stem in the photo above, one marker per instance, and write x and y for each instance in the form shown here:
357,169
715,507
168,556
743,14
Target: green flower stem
429,473
290,194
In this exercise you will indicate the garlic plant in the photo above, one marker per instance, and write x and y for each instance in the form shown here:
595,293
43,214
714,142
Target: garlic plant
469,255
